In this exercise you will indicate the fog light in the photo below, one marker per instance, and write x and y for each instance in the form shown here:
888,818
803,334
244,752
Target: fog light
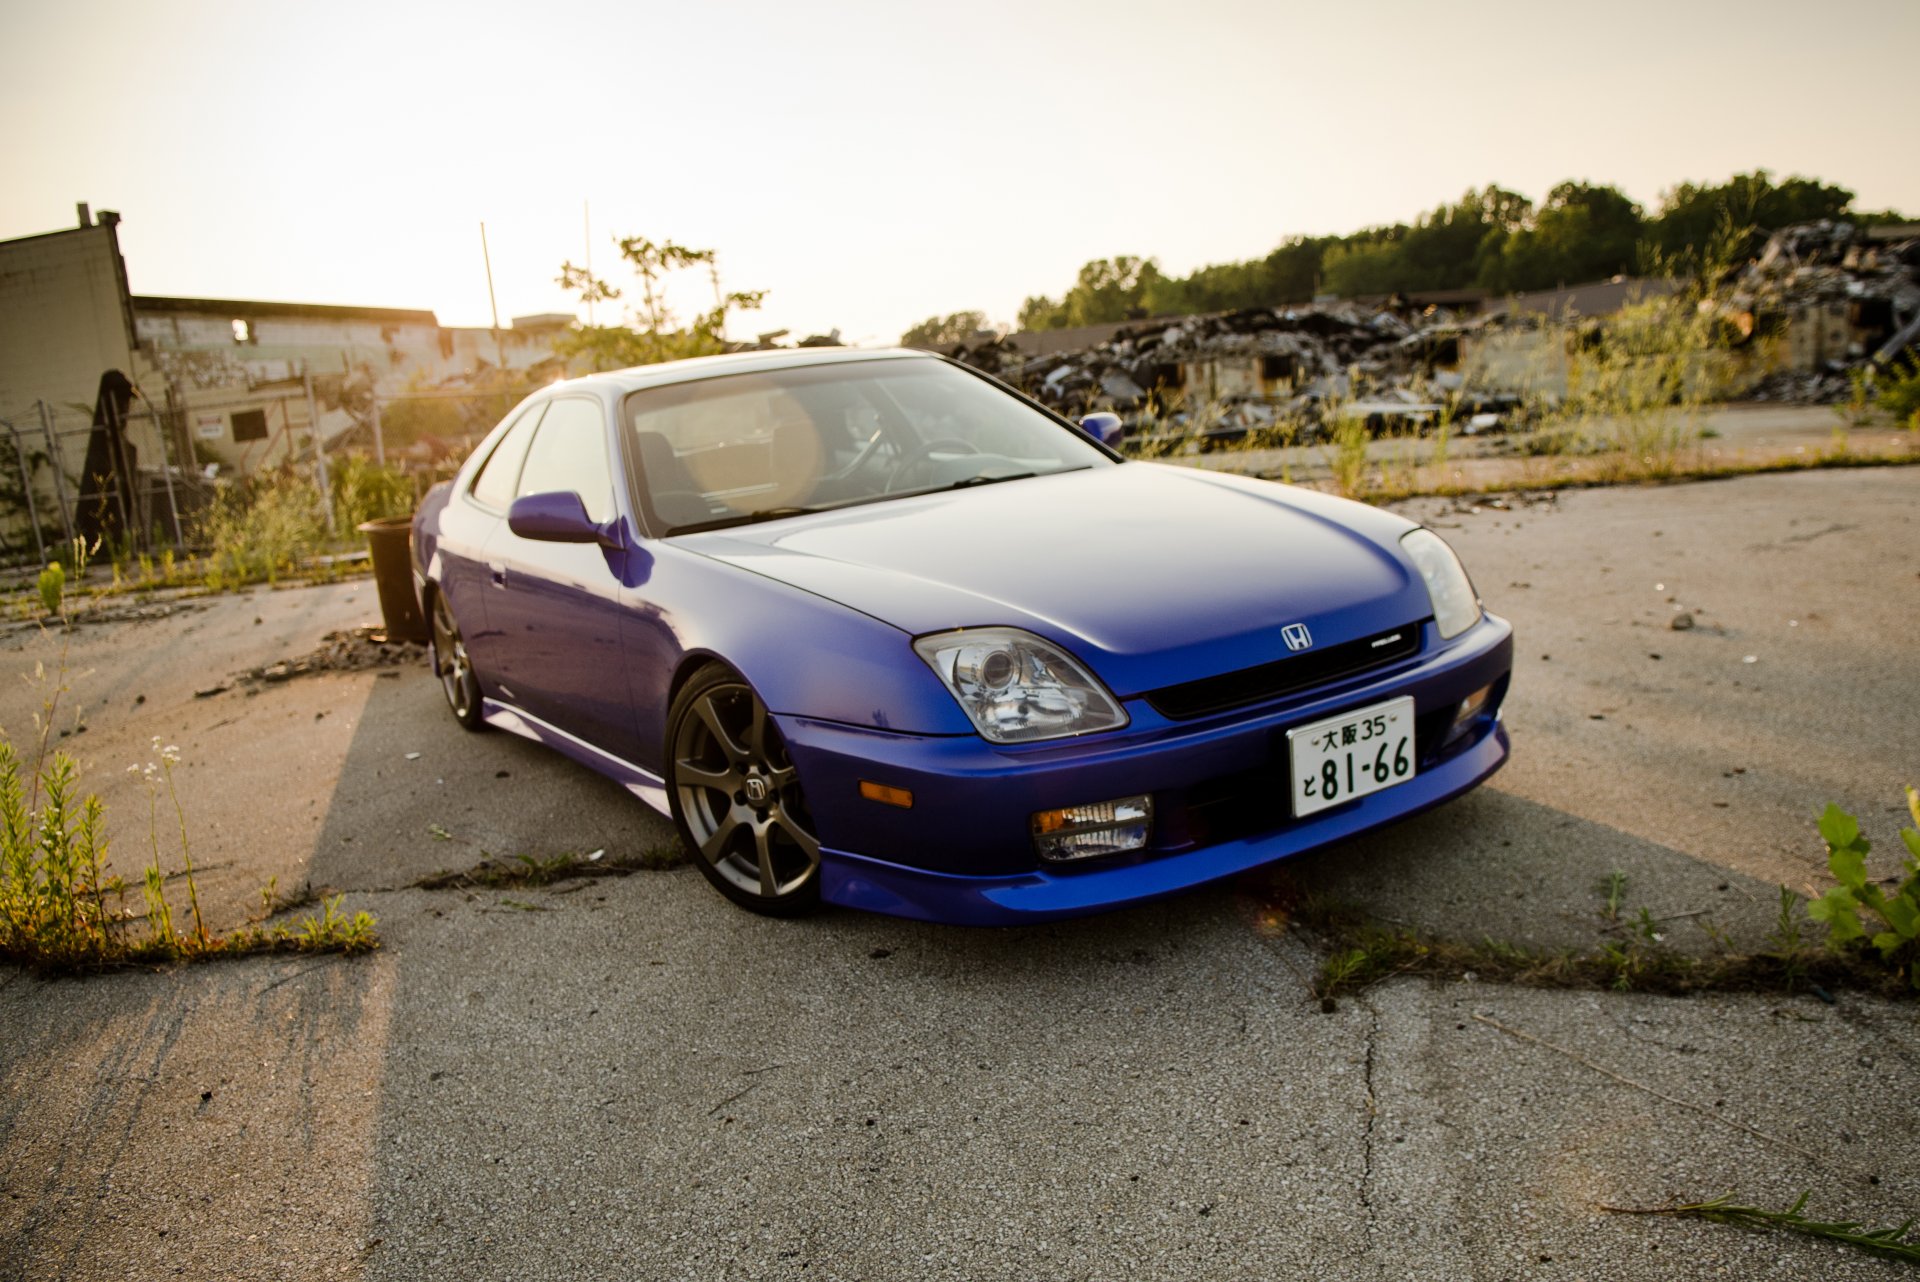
1470,709
1102,828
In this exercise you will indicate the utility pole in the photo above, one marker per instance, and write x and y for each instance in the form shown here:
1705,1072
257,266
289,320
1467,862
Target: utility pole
499,352
319,448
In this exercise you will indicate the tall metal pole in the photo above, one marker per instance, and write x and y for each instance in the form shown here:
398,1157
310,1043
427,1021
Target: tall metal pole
319,449
500,352
586,225
59,471
26,484
160,427
379,436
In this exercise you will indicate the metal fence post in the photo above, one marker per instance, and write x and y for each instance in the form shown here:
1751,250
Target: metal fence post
26,485
59,471
319,451
160,429
379,436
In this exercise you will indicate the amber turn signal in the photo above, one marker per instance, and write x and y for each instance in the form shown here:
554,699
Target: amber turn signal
886,796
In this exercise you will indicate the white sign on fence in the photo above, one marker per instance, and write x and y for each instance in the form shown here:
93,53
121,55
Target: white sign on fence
210,427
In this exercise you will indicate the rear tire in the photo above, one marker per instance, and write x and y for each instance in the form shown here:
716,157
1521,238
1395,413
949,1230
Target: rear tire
448,655
736,797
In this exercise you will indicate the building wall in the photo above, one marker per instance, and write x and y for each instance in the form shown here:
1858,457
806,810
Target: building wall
63,319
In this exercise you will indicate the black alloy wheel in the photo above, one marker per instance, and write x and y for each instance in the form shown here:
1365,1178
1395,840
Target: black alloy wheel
451,665
736,797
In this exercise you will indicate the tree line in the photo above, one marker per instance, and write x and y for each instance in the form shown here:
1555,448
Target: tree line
1491,239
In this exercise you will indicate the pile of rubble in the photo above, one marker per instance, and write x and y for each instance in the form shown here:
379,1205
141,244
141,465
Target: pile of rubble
1249,368
1839,275
355,650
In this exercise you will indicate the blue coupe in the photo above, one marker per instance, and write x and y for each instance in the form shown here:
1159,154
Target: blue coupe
876,630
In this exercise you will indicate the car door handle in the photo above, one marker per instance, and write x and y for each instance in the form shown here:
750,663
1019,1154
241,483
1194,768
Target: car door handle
498,574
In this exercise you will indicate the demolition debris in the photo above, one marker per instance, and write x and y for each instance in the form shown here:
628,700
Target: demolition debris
1820,300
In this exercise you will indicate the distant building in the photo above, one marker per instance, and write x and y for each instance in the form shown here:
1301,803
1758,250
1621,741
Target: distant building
238,383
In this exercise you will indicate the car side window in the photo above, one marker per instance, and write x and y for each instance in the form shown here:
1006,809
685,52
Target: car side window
570,453
498,476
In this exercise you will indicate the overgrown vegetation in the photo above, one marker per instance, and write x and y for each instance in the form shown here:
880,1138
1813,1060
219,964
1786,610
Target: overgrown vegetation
60,910
1870,942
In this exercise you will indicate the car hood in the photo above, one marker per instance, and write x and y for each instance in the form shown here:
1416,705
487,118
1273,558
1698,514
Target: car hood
1150,574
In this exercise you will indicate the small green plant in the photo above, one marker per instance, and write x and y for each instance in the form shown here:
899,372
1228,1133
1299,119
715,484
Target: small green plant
1348,456
1857,409
1892,1243
1857,910
1613,891
53,588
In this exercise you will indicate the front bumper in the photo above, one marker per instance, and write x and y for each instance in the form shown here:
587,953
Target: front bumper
964,853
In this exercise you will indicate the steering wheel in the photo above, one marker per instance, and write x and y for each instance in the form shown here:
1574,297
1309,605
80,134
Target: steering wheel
905,466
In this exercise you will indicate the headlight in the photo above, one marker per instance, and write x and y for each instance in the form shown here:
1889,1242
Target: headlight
1016,687
1455,607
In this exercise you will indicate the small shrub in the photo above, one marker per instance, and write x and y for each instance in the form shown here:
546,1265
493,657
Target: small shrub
365,491
1859,912
261,529
1899,391
53,587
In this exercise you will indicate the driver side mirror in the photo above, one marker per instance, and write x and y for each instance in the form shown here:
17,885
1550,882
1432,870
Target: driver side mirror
1105,428
555,517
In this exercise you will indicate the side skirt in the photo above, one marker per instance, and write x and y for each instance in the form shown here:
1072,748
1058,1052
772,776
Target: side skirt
644,784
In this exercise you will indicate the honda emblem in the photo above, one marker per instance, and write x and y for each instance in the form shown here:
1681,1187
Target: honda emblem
1296,636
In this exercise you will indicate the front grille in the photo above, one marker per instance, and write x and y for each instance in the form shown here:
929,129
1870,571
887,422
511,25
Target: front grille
1282,676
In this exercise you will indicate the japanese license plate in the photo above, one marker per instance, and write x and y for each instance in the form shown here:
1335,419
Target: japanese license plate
1351,755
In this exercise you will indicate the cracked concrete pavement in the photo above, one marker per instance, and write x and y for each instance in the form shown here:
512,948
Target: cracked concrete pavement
629,1078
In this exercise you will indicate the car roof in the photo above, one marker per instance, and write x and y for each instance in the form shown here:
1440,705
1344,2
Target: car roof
698,367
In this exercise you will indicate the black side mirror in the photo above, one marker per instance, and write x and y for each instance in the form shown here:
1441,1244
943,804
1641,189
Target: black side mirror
556,517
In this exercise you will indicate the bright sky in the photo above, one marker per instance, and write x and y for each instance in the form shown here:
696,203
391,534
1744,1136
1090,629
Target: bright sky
871,164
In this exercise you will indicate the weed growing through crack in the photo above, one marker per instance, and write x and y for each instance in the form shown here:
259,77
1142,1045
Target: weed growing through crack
53,886
1891,1243
1858,912
1613,890
1872,941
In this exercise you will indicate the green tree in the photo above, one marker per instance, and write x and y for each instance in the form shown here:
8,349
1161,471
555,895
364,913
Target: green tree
1581,233
652,335
940,332
1692,214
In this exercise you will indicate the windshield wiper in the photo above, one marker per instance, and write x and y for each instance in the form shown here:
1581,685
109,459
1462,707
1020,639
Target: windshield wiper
984,479
742,518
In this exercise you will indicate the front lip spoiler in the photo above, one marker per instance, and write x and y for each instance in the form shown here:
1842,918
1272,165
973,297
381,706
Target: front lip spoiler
874,885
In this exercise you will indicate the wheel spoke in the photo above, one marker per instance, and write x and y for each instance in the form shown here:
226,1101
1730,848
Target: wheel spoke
691,773
808,843
780,778
715,844
769,885
757,730
710,715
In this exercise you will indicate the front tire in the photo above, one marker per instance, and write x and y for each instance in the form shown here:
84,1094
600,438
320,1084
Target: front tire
736,797
450,663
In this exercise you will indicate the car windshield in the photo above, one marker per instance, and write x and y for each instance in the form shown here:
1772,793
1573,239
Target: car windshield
753,446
